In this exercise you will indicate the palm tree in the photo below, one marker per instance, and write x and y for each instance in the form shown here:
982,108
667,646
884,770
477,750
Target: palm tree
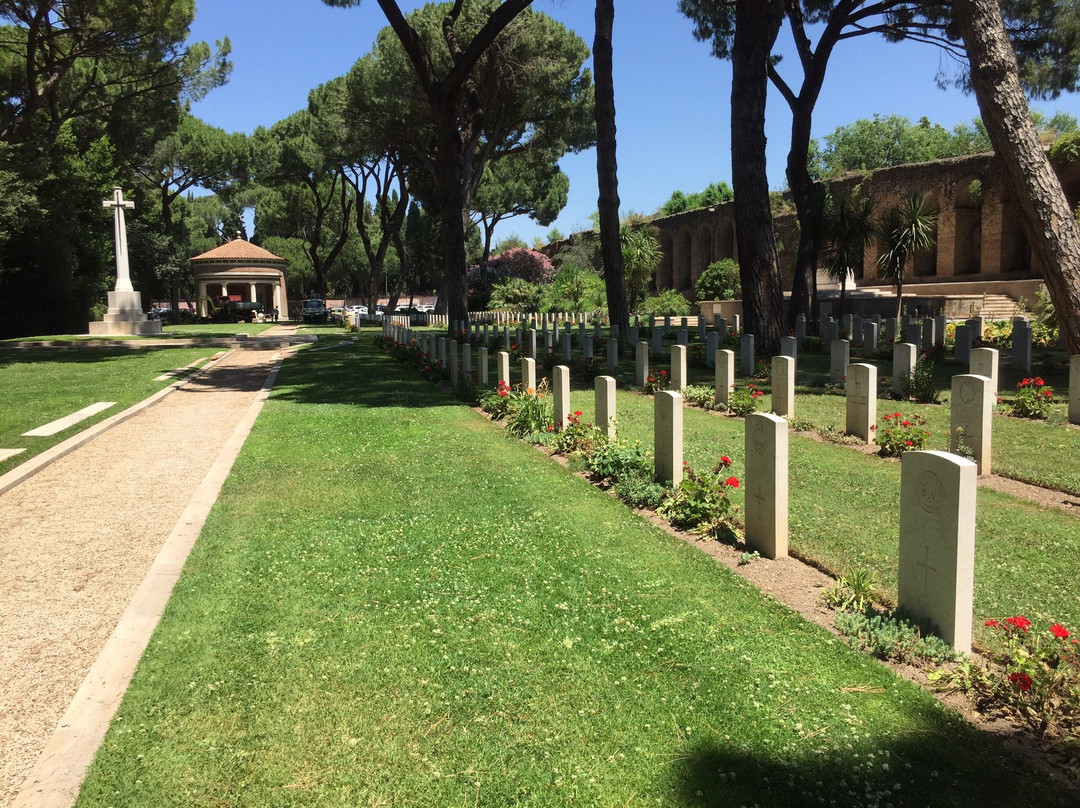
847,228
903,231
641,253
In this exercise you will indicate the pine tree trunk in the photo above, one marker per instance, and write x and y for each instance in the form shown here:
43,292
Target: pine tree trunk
1044,211
607,170
757,24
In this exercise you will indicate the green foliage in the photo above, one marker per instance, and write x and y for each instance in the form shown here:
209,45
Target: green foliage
515,294
899,433
700,502
743,400
720,281
1065,150
529,411
578,437
901,232
667,303
1033,398
657,380
1032,674
574,289
854,591
640,490
847,226
919,384
887,636
715,194
616,460
641,254
699,395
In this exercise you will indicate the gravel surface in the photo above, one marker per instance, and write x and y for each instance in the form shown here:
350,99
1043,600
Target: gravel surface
77,538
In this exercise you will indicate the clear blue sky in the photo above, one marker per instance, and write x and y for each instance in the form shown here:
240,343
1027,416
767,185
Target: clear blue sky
671,94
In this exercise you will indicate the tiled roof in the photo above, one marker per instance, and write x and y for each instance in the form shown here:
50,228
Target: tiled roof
238,250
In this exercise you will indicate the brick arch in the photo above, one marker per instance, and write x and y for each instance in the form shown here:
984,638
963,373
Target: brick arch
724,244
924,262
964,231
1014,251
664,277
701,253
681,261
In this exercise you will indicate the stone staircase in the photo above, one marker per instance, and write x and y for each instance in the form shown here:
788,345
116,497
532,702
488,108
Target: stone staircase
998,307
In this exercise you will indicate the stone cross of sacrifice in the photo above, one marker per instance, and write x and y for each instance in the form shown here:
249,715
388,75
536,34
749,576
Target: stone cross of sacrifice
118,204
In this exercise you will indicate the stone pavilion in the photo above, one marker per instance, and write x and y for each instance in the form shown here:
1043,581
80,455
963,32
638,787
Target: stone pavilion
241,272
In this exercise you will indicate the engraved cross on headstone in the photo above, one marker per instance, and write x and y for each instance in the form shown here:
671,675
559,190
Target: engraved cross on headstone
118,204
926,568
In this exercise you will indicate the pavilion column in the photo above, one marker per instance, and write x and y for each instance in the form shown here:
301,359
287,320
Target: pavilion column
200,300
254,294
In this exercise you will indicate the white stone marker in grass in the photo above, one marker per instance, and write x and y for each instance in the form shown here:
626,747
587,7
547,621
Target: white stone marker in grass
783,385
1021,345
1074,389
721,327
657,343
641,363
483,360
736,323
962,344
454,364
466,361
683,337
766,484
839,356
940,322
604,398
913,334
800,327
903,365
635,335
528,374
869,337
442,351
668,436
861,401
712,345
502,362
937,543
972,408
984,362
613,354
725,376
566,347
789,346
929,334
561,407
678,367
746,355
531,347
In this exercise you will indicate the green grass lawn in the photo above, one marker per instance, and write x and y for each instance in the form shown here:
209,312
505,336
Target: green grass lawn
39,387
394,604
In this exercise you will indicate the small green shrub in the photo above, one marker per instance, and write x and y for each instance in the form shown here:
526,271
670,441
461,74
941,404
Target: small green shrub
720,281
657,380
700,395
700,502
854,591
919,384
744,400
577,436
530,411
899,433
640,491
497,402
668,303
1033,398
886,636
616,460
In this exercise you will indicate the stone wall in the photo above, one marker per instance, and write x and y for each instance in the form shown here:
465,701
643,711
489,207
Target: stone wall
979,240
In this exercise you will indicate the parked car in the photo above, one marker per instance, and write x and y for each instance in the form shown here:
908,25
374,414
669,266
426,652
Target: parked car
240,310
165,315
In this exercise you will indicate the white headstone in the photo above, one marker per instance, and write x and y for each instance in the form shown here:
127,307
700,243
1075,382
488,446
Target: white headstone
936,580
484,370
903,365
1021,345
613,354
567,353
984,362
678,367
939,330
561,406
962,344
454,364
712,345
746,355
783,386
503,368
971,410
641,363
913,334
840,356
869,337
657,343
766,484
789,346
861,400
725,375
605,404
528,374
668,436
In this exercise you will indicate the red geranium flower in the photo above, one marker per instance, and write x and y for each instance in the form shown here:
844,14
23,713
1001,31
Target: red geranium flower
577,413
992,623
1021,680
732,482
1019,621
1059,631
725,461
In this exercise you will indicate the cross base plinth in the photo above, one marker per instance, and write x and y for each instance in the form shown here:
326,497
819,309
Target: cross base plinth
125,316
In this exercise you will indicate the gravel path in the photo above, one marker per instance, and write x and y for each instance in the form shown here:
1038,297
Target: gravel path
77,538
